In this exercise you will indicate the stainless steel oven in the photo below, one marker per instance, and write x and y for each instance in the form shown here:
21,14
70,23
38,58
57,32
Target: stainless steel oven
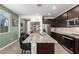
68,43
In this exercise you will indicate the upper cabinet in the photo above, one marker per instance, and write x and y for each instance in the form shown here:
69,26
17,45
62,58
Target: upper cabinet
73,17
49,21
65,16
46,21
68,19
60,21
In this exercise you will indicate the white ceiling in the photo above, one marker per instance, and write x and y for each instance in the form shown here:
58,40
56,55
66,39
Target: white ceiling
32,9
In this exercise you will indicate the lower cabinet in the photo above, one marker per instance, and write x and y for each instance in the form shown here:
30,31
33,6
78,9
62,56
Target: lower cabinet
54,35
58,37
76,46
45,48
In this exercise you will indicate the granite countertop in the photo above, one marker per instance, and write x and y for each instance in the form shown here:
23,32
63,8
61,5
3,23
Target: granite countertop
39,38
73,35
69,34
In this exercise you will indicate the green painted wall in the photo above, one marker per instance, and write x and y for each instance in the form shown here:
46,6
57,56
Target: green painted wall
7,38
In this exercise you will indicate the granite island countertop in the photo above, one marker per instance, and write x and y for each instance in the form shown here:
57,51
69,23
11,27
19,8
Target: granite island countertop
39,38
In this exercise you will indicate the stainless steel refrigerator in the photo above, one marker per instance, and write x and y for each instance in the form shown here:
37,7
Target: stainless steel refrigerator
47,28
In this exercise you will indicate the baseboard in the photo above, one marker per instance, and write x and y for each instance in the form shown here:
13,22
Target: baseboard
8,45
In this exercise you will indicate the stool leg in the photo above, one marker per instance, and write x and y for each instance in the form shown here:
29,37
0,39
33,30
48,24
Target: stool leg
30,51
22,51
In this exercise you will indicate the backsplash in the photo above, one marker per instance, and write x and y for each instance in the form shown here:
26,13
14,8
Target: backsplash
70,30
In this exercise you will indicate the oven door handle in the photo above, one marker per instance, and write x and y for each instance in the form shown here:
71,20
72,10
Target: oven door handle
67,37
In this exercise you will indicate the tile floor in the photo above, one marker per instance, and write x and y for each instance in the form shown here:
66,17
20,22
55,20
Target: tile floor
12,49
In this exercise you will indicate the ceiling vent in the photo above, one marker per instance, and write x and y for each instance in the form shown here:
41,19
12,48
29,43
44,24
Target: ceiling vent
39,5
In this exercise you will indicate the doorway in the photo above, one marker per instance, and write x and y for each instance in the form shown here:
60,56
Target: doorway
25,26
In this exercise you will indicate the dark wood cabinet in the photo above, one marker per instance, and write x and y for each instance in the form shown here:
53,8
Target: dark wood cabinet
46,21
49,21
54,35
65,16
58,37
76,46
60,21
45,48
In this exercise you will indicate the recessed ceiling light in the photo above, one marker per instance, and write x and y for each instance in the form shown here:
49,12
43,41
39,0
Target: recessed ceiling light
49,14
53,7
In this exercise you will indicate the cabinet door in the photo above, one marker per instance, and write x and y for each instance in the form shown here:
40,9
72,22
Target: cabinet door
60,39
77,46
45,48
60,21
65,17
54,35
45,21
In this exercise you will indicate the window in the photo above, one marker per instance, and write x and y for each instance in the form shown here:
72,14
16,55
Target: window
4,22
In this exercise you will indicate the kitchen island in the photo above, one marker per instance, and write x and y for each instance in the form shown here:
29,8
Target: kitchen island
43,39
